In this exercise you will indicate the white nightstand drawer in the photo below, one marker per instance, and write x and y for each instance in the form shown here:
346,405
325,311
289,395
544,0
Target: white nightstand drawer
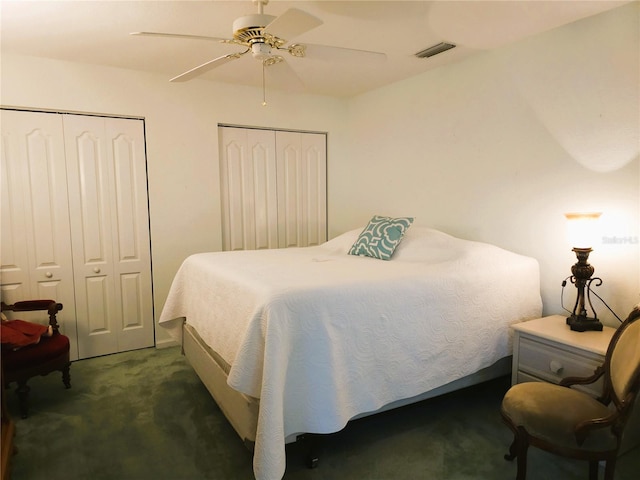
551,364
523,377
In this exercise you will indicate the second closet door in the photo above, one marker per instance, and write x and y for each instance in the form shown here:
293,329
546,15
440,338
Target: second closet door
273,187
110,240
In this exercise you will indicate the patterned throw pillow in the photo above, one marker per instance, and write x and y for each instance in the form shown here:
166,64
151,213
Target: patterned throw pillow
381,237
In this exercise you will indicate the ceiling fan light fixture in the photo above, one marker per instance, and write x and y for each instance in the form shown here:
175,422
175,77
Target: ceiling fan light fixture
260,50
435,50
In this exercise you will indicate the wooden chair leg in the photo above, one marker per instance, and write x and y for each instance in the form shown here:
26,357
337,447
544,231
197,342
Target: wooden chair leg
23,396
66,376
610,468
518,449
513,449
593,470
523,447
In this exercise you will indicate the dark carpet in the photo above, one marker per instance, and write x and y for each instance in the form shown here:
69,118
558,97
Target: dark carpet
145,415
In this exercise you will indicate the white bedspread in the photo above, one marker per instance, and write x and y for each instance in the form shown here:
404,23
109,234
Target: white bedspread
321,336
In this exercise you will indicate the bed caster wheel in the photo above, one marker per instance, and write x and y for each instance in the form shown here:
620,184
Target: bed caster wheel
312,461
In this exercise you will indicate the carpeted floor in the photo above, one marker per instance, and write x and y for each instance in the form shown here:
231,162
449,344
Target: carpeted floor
145,415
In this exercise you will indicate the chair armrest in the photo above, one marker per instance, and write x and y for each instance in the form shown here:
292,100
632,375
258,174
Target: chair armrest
605,396
584,428
616,420
51,306
32,305
569,381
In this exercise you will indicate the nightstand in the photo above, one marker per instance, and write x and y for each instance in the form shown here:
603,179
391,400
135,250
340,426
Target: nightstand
547,350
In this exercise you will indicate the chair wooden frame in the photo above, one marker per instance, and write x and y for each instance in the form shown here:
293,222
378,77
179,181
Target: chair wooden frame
60,362
616,421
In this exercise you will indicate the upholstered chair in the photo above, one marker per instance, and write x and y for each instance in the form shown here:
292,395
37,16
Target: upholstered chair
49,354
570,423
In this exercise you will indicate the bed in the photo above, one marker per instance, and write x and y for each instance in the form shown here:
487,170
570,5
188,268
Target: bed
302,340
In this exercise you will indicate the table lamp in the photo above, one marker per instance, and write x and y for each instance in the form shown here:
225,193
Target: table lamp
582,229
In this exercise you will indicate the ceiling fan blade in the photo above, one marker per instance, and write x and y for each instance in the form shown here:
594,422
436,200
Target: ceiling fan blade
281,74
292,23
205,67
179,35
341,54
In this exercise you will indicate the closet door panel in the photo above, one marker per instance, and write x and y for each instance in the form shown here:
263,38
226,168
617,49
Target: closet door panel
249,197
241,231
14,261
89,179
46,216
130,233
36,258
96,291
290,190
301,188
263,201
314,151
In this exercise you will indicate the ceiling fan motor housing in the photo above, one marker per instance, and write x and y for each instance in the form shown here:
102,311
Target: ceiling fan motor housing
249,30
251,27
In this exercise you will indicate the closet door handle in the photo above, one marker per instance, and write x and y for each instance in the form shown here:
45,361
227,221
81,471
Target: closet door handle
96,270
48,274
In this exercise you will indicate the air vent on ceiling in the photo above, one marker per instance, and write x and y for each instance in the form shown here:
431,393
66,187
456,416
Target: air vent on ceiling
435,50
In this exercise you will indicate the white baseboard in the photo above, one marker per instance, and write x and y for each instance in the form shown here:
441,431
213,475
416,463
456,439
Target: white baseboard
169,342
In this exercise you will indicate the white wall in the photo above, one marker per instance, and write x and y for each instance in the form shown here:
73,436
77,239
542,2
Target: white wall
498,147
181,135
494,148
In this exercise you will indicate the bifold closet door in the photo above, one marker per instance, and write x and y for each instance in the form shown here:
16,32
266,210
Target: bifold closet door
35,256
106,172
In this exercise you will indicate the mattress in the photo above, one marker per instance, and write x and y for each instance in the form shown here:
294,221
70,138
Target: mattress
319,336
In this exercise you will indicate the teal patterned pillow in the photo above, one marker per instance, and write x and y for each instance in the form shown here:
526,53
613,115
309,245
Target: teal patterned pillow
381,237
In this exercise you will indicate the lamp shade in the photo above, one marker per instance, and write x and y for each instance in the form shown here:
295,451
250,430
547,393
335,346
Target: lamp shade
582,229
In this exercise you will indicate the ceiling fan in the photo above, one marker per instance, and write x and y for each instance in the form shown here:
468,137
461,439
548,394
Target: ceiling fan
265,36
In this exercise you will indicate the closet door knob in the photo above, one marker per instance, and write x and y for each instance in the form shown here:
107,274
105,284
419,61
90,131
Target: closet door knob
48,274
96,270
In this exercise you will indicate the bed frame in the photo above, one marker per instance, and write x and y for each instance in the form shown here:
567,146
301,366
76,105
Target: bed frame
242,410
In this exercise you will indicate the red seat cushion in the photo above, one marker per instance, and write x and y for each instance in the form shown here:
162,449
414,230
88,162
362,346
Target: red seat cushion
49,348
18,333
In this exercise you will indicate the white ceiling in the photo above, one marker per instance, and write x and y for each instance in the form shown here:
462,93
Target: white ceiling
97,32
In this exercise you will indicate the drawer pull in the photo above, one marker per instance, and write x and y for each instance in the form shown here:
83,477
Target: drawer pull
556,367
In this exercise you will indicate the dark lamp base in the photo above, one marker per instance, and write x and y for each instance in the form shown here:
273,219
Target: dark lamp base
583,324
